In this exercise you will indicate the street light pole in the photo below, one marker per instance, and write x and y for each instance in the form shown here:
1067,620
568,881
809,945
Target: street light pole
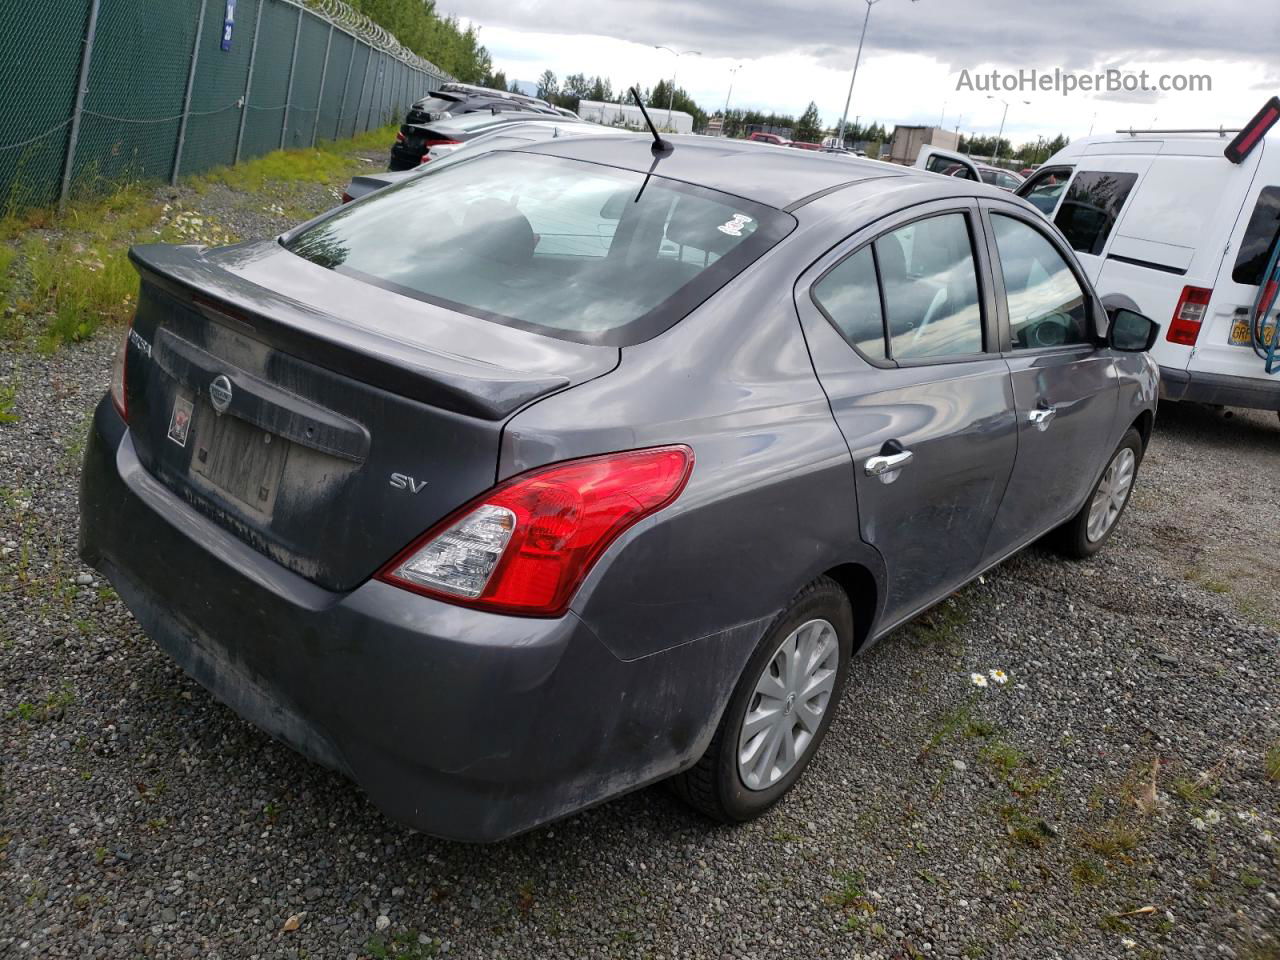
844,117
671,94
1003,118
730,93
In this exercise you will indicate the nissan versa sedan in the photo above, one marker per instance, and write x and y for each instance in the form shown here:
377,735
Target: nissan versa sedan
561,470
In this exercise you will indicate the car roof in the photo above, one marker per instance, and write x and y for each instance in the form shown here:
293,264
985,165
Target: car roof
751,170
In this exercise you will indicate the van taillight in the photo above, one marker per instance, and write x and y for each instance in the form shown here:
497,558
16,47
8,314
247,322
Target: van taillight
399,136
1188,315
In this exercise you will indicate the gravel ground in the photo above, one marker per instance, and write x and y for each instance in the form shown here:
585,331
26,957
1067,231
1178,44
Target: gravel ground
1111,799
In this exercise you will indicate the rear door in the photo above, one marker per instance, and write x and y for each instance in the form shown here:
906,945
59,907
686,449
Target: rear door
1223,345
1045,188
1064,386
898,319
948,163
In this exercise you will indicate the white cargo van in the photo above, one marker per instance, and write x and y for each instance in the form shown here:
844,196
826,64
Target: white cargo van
1168,221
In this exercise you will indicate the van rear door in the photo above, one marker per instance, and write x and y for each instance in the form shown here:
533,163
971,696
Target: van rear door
1223,346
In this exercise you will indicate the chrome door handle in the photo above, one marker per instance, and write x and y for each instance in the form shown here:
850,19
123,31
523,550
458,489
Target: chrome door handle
879,466
1041,417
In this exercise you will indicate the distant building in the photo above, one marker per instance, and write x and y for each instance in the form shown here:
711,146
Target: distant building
907,142
715,127
629,115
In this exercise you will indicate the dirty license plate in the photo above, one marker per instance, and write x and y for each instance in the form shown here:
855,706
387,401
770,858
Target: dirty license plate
239,459
1240,333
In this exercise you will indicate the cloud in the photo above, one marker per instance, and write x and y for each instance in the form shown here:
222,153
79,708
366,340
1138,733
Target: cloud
1075,35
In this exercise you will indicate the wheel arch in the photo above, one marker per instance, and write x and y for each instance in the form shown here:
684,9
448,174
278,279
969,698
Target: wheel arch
1144,424
859,584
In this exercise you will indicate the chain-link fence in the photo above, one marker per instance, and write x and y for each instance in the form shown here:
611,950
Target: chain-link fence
95,92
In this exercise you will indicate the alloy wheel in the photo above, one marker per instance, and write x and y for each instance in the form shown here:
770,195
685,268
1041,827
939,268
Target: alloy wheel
1113,490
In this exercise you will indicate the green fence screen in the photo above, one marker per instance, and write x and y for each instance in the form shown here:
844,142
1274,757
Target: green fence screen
171,87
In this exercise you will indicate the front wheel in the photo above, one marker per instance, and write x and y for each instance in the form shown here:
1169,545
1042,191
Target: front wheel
1085,533
780,709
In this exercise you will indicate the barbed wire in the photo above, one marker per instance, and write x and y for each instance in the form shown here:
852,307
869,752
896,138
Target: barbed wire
354,22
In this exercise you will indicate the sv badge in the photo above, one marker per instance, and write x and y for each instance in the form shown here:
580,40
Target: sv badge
404,482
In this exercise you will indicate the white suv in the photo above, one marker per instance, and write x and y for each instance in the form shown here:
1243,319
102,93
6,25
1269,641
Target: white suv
1168,221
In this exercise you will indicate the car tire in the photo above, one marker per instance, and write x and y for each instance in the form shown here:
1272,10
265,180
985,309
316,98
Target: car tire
1086,533
716,785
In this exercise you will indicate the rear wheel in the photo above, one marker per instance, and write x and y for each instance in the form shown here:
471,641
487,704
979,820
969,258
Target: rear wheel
780,710
1085,533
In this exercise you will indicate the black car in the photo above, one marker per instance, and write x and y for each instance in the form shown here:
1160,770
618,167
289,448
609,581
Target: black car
449,102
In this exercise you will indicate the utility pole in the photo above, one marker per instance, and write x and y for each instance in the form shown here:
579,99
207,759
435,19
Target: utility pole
1003,117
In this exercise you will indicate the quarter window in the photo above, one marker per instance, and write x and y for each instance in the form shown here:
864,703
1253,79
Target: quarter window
930,289
1047,306
1091,207
1259,238
850,297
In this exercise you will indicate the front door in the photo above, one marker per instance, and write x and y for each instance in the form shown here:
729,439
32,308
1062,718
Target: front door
898,320
1064,382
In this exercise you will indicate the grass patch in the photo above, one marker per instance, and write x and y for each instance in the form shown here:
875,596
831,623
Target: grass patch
1088,873
53,707
400,946
322,164
76,277
1271,763
1114,841
8,399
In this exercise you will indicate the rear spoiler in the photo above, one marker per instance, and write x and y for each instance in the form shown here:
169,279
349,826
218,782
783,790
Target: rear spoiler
444,380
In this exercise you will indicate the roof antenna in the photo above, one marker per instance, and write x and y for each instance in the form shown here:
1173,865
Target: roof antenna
659,145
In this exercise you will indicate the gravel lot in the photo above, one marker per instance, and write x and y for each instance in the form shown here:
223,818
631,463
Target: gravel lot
1111,799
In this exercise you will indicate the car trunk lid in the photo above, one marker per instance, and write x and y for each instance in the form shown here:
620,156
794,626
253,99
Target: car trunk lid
324,421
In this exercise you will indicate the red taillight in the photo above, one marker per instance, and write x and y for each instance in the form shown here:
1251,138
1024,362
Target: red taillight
399,136
440,143
119,381
1188,315
346,197
426,158
525,546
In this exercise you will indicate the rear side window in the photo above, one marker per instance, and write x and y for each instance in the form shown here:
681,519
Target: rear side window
938,163
1090,208
930,308
930,289
1046,302
1259,238
570,249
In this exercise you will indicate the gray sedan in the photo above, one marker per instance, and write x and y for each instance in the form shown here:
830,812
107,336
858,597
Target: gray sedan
558,471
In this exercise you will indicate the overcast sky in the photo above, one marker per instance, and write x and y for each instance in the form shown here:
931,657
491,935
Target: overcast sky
916,50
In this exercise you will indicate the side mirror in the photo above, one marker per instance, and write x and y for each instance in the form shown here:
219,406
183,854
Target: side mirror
1130,331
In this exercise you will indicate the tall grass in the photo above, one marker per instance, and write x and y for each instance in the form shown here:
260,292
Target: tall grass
64,275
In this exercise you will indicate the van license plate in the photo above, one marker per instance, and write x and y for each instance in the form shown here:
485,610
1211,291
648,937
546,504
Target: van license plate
1240,335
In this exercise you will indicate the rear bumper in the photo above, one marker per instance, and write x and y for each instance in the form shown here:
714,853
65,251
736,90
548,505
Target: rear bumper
463,724
1220,389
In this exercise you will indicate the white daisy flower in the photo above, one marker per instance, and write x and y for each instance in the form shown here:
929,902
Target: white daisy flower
1213,818
1127,943
1199,824
999,676
978,679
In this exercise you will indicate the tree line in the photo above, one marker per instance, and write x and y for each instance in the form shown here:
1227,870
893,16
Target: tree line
439,38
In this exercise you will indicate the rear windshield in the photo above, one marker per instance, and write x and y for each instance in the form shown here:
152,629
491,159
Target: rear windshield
570,249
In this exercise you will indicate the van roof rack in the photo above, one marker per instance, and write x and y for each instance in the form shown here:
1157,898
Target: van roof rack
1220,131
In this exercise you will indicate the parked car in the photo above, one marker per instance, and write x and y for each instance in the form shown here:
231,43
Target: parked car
556,472
456,99
944,162
1167,220
761,137
414,141
502,136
